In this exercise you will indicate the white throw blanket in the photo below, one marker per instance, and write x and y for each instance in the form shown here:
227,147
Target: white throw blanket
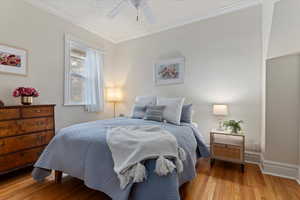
131,145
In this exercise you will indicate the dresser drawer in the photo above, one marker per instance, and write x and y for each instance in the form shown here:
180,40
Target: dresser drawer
20,159
19,127
227,152
42,111
36,124
7,114
9,128
13,144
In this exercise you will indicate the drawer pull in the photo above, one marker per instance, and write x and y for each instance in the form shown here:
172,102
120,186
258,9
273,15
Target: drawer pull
40,123
38,111
19,123
40,139
22,154
20,137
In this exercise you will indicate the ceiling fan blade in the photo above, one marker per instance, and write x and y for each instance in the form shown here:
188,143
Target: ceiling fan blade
148,13
117,9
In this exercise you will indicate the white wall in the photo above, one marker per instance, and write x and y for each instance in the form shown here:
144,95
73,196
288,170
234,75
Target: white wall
223,65
282,111
42,35
285,29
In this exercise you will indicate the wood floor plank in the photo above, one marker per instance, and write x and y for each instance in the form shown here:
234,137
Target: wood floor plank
224,181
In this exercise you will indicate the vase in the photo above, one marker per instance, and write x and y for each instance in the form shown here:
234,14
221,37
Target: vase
26,100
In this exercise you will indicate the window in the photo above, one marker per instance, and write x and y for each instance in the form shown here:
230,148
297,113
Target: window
83,72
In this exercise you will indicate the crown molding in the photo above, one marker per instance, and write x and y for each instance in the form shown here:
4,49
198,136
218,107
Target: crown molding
242,4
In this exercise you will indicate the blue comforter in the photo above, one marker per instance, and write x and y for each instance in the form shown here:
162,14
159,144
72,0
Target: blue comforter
82,152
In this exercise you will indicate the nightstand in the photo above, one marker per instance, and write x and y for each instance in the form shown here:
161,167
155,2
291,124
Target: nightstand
228,147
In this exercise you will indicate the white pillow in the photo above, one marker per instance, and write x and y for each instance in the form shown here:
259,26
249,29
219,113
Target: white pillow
146,100
172,112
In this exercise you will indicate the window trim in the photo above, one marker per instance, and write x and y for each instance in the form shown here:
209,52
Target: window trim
69,39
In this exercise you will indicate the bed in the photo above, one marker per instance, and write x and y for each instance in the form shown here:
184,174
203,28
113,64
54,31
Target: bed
81,151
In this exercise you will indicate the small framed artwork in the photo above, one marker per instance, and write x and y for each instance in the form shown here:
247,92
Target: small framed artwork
13,60
169,71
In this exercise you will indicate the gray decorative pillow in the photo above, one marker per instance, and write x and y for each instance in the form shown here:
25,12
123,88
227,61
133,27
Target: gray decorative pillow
154,113
187,113
138,111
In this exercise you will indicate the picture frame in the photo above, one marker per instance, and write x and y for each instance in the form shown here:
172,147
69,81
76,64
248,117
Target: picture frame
169,71
13,60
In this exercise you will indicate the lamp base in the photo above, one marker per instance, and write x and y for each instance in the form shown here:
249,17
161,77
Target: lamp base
114,109
220,128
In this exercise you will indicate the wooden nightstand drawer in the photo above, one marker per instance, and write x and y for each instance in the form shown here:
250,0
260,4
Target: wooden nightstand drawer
227,151
227,147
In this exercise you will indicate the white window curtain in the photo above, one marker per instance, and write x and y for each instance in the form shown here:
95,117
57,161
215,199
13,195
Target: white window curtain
94,86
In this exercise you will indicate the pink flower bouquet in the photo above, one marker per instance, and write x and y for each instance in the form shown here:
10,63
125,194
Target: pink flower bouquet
25,92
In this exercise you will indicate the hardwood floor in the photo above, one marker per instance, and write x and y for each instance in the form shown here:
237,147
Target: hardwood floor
223,182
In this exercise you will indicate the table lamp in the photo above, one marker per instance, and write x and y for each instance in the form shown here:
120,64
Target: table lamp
114,95
220,110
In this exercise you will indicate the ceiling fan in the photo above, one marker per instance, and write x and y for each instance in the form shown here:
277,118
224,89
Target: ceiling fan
139,5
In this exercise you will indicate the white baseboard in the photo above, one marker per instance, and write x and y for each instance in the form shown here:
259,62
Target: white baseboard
279,169
252,157
273,168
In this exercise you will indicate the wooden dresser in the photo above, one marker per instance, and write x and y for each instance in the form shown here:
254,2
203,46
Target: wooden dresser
24,133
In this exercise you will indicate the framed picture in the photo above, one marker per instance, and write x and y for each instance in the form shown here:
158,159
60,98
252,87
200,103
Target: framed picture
169,71
13,60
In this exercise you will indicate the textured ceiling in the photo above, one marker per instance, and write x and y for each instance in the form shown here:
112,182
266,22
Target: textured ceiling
91,14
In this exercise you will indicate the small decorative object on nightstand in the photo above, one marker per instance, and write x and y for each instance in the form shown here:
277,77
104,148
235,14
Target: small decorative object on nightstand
220,111
228,147
233,126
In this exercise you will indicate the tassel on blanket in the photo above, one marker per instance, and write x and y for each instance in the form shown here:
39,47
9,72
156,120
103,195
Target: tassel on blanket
136,174
164,166
179,165
181,154
139,173
124,180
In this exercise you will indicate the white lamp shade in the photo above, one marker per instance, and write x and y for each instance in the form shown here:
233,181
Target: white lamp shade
220,110
114,94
